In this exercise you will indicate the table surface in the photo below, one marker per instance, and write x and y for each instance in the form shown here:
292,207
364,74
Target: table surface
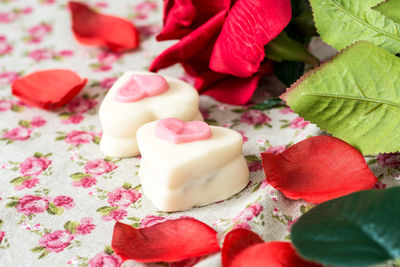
59,195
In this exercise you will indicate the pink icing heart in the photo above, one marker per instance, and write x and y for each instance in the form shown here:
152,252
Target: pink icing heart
141,86
177,131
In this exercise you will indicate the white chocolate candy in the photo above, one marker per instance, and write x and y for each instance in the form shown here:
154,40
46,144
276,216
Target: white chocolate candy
180,176
121,119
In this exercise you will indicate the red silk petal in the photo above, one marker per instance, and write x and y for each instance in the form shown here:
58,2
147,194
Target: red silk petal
271,254
249,26
92,28
169,241
183,16
235,242
190,45
318,169
48,89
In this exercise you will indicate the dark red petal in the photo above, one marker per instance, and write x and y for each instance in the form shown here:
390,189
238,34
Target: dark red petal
318,169
235,90
271,254
92,28
235,242
183,16
169,241
190,45
249,26
48,89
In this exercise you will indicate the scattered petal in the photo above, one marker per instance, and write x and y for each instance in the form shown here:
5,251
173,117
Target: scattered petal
48,89
318,169
92,28
169,241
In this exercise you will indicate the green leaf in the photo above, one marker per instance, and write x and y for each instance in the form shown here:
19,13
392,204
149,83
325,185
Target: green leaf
54,210
37,249
343,22
252,158
390,9
288,71
108,250
356,97
12,204
127,186
78,176
1,223
44,254
71,226
355,230
59,138
268,104
105,210
38,155
19,180
25,123
284,48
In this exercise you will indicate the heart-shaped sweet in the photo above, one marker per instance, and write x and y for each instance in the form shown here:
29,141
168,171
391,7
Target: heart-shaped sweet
141,86
177,131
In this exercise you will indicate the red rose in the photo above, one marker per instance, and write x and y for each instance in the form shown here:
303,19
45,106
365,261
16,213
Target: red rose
222,43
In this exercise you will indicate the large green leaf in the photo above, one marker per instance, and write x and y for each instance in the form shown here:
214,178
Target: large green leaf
355,230
390,9
356,97
342,22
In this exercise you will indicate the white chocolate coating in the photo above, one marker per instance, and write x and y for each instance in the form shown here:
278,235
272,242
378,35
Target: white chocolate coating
120,121
180,176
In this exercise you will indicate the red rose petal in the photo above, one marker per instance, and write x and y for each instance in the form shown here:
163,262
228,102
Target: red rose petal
318,169
48,89
245,248
190,45
249,26
235,242
169,241
183,16
92,28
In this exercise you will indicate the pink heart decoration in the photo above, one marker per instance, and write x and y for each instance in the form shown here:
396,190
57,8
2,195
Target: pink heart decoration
177,131
141,86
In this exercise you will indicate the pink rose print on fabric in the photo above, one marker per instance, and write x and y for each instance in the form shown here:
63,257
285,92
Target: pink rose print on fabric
38,121
5,105
73,119
150,220
249,213
391,160
34,166
290,224
2,235
106,83
36,33
29,183
245,138
56,241
40,54
85,182
81,104
7,77
242,225
7,17
106,60
147,31
275,149
254,117
85,227
103,259
299,123
5,47
64,201
286,110
121,197
142,10
379,185
254,166
76,138
30,204
116,215
99,167
18,134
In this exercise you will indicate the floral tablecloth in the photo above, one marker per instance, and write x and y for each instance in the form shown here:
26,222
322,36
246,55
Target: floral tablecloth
59,195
